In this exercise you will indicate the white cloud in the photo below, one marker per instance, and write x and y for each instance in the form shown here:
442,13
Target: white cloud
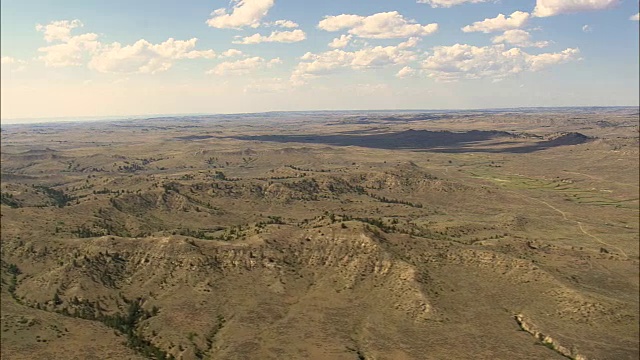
242,67
72,49
276,36
587,29
180,49
449,3
8,60
409,43
58,30
339,22
340,42
244,13
140,57
635,17
541,61
288,24
546,8
13,64
406,71
313,65
461,61
519,38
145,57
231,53
386,25
499,23
71,52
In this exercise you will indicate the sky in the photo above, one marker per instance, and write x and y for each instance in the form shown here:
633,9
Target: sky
88,58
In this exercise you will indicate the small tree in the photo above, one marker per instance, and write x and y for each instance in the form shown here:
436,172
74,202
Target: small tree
56,299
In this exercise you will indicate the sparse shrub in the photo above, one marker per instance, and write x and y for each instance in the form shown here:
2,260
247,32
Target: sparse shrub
13,269
60,199
7,199
191,336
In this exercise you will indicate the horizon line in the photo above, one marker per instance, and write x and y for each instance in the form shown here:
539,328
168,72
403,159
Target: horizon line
91,118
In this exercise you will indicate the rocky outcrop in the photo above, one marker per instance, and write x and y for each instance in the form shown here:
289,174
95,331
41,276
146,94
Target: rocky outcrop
547,340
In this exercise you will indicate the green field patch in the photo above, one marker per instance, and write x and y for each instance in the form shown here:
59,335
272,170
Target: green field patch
568,190
604,201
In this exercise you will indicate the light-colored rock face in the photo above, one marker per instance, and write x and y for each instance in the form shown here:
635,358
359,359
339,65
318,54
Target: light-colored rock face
571,353
350,258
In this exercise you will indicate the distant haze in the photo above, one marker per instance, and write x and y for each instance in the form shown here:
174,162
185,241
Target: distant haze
280,114
115,58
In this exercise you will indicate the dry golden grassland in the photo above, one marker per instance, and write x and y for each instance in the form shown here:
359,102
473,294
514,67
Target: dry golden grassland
471,235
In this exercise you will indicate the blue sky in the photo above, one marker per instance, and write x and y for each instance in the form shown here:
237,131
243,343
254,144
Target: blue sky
104,58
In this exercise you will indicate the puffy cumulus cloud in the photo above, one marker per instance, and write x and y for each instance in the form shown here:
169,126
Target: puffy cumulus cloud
499,23
519,38
8,60
296,35
449,3
231,53
405,72
340,42
58,30
145,57
244,13
546,8
409,43
541,61
313,65
242,67
461,61
140,57
13,64
339,22
386,25
635,17
180,49
288,24
71,52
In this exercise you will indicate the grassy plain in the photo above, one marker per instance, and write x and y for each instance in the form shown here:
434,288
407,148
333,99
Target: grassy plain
468,235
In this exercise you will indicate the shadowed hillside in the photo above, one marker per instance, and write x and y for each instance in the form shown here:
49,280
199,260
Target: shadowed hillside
435,141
